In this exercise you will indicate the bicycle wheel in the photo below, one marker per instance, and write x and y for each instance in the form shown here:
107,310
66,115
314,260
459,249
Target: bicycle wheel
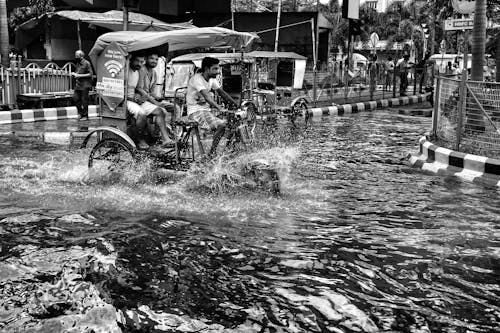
111,155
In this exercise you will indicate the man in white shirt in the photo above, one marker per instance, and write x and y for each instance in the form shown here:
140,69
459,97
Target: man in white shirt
200,100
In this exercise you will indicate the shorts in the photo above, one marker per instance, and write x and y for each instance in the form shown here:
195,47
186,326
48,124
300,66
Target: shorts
134,109
145,109
206,119
148,108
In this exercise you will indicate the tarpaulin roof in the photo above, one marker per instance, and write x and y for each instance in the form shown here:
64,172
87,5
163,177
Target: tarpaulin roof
271,54
112,20
185,39
224,58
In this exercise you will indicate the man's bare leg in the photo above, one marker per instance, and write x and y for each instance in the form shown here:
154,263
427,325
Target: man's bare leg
141,123
219,132
160,121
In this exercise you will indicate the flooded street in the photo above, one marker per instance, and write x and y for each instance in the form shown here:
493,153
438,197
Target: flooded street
357,242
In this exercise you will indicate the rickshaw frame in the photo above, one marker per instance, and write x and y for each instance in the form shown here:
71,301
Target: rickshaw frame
134,41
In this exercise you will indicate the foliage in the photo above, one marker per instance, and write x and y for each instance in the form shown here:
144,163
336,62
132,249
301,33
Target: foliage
22,14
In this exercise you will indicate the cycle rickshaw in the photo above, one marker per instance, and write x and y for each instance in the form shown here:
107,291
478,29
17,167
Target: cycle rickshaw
271,83
116,139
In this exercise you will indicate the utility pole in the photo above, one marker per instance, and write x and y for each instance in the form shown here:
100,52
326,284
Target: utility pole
125,17
277,27
232,15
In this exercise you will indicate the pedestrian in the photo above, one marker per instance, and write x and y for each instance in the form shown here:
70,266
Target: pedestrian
83,82
389,73
402,66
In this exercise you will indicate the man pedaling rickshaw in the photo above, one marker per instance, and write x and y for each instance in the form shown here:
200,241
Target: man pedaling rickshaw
200,100
142,101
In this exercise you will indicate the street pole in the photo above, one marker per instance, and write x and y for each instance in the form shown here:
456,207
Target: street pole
314,47
79,35
277,27
232,15
125,18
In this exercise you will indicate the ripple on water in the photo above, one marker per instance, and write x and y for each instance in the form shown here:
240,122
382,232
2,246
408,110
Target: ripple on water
358,242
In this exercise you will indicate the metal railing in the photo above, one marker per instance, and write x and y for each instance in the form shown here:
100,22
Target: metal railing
32,78
365,84
467,116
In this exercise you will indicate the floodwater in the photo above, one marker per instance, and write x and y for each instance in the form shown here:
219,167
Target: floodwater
357,242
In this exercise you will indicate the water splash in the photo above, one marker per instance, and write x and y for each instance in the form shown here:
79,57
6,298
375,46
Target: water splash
227,174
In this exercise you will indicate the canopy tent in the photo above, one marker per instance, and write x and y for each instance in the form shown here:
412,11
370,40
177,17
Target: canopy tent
49,24
113,20
212,37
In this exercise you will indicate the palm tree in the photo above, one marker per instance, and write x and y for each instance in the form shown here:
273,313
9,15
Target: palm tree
4,33
478,40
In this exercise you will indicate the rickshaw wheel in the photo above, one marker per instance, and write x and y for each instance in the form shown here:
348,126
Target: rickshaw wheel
111,155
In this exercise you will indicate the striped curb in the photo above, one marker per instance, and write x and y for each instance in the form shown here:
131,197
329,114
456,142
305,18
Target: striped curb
52,137
443,161
364,106
416,112
32,115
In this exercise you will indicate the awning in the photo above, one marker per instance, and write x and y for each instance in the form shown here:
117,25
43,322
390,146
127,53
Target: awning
214,37
112,20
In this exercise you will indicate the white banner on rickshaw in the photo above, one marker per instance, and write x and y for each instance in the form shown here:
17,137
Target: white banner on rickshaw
111,75
111,87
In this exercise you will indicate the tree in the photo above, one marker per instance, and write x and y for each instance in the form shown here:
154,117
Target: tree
4,33
478,40
340,27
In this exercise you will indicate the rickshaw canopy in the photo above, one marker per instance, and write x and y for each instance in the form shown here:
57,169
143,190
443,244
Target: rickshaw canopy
271,54
184,39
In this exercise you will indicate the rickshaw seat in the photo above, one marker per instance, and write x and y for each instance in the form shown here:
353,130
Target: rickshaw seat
186,122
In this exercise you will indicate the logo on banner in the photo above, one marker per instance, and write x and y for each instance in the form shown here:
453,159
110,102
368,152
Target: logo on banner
464,6
113,66
110,75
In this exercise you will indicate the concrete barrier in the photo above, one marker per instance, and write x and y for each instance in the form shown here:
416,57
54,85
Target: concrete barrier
338,110
439,160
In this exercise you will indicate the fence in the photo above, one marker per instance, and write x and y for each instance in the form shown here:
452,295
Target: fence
33,79
364,83
467,116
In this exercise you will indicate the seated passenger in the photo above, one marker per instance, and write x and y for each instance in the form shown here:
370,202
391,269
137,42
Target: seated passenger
200,100
151,106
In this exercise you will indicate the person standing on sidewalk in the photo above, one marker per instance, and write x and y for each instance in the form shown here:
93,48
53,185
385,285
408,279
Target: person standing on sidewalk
402,66
83,82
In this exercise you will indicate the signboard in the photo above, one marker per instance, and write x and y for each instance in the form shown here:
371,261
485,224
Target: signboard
464,6
350,9
110,75
458,24
374,40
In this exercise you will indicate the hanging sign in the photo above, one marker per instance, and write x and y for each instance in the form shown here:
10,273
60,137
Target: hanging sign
110,75
458,24
464,6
